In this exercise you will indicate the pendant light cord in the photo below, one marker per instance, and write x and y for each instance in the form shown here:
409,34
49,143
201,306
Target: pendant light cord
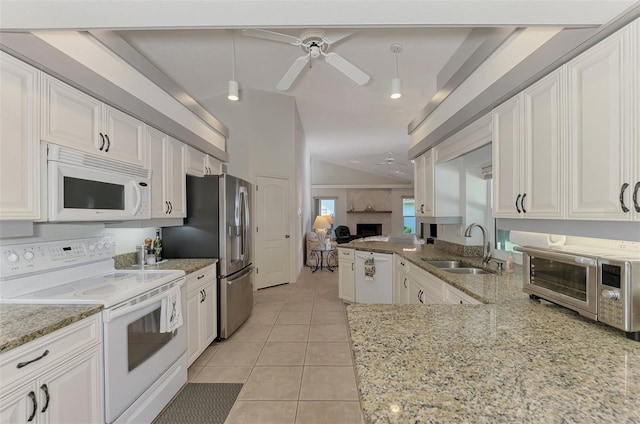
233,57
396,54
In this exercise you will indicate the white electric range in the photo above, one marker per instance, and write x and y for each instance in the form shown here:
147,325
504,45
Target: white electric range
145,341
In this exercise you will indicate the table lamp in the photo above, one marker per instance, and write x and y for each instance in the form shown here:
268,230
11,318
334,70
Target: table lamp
321,225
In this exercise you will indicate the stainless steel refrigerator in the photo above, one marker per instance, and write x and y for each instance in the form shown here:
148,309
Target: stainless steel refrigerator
218,225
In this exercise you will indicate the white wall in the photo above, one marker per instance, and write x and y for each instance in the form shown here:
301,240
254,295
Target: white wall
266,138
326,173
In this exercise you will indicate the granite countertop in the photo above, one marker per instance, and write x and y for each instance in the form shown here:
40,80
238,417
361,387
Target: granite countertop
23,323
508,360
20,324
186,265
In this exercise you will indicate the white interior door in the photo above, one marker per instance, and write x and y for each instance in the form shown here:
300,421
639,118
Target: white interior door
272,232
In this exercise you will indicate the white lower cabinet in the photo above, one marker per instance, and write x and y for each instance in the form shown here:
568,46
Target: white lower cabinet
401,280
202,324
56,378
426,288
346,275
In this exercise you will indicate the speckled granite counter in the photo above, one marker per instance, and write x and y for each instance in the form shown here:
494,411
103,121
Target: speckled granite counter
20,324
186,265
510,360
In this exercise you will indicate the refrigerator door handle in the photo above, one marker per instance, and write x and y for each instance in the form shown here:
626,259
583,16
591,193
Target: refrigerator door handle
244,213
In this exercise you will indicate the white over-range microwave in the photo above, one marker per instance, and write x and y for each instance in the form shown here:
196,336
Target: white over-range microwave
84,187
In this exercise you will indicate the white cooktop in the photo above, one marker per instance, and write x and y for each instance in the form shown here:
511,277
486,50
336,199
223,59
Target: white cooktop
107,289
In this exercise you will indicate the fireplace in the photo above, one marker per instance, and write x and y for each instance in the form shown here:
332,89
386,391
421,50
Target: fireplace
366,230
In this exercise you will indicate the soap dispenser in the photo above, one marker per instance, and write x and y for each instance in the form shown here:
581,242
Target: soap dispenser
509,263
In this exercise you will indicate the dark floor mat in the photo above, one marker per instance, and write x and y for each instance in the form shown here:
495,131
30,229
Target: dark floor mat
201,403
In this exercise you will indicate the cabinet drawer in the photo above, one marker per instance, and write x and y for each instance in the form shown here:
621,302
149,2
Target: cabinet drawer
196,279
61,345
455,296
346,254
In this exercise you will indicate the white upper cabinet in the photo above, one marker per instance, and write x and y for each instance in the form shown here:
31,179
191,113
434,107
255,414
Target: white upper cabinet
200,164
527,152
19,140
423,175
636,122
72,118
168,177
506,148
599,86
436,186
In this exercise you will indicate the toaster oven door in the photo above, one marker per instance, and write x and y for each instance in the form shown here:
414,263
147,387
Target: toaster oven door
564,279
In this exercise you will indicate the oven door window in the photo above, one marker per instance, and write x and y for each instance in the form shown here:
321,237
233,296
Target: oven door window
87,194
144,338
567,279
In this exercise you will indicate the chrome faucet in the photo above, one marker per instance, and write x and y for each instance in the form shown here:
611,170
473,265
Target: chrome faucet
486,256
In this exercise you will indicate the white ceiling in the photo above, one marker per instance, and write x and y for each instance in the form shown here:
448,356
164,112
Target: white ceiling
347,124
343,122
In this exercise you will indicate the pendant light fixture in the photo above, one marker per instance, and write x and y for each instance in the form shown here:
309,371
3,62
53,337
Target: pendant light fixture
233,84
396,83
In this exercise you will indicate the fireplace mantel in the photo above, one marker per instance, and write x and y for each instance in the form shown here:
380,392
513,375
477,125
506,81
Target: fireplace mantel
368,211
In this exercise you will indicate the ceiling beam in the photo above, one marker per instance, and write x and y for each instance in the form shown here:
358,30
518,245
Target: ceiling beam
122,14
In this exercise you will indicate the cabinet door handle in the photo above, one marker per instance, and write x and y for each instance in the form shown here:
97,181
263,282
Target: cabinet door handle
405,283
351,266
517,200
422,208
201,277
24,364
108,143
102,144
32,396
205,294
201,296
170,208
166,209
635,197
522,203
622,190
45,389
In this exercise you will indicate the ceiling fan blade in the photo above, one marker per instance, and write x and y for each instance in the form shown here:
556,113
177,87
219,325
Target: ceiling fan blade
334,36
293,72
347,68
271,36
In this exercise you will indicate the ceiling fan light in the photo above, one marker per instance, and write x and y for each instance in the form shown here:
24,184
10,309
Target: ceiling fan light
396,88
233,91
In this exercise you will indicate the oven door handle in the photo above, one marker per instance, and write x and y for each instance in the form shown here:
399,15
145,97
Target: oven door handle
564,257
118,311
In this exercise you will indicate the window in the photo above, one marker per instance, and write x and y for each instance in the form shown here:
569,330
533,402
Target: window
409,215
325,206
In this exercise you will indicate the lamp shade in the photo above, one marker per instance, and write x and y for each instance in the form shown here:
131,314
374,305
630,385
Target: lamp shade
233,90
321,223
396,88
329,219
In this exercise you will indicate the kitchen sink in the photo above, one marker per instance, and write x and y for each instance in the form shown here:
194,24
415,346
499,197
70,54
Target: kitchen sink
447,264
466,271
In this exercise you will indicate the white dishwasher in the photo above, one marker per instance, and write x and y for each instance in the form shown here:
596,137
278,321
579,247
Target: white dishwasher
374,277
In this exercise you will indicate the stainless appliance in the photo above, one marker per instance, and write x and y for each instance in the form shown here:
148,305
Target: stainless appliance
600,284
619,294
83,187
218,225
145,365
566,278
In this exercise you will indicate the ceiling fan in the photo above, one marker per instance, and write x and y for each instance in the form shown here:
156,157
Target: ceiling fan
391,165
315,43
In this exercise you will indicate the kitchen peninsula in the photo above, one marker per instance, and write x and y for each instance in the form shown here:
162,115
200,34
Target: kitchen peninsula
507,360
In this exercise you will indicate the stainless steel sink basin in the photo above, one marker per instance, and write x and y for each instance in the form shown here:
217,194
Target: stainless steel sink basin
447,264
466,271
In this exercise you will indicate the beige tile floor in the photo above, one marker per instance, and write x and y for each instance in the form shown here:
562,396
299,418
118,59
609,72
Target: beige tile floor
292,355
